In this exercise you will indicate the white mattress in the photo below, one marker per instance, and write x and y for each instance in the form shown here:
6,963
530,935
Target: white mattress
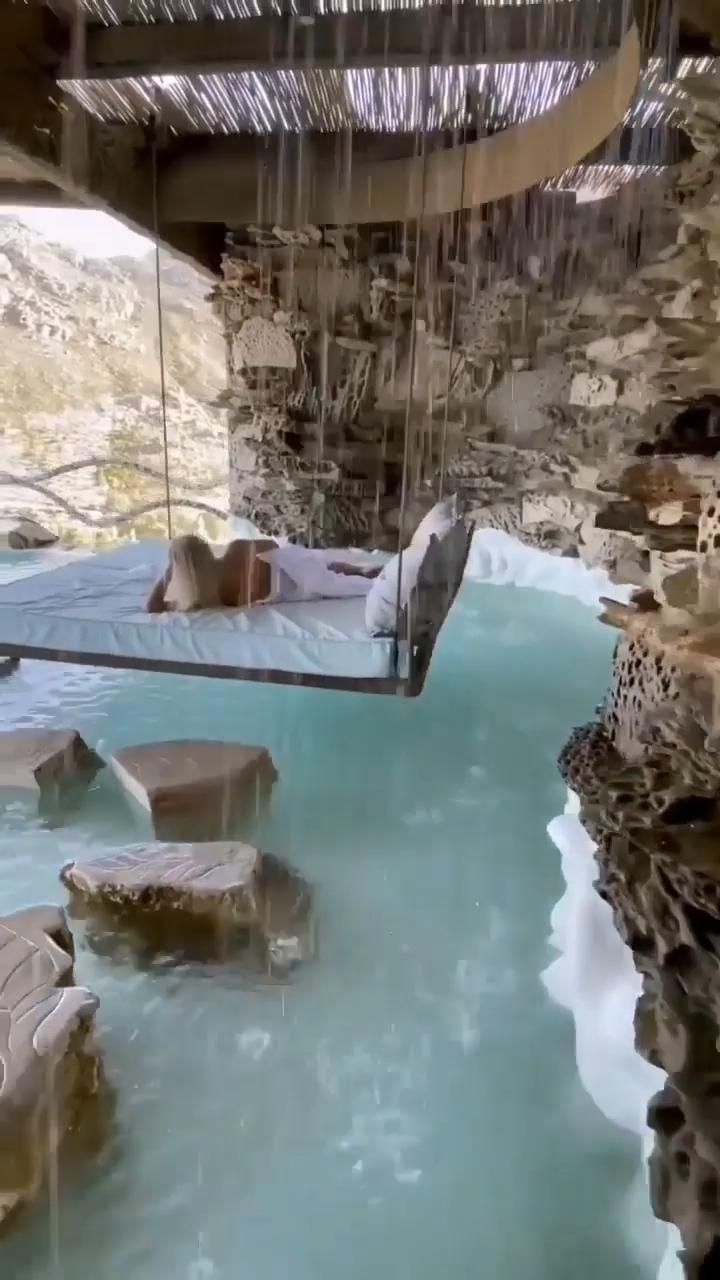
95,606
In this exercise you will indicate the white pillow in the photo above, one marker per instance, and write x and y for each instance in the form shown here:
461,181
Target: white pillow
439,521
382,600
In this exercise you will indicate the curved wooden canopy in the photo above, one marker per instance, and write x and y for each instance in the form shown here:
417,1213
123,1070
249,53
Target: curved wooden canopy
492,168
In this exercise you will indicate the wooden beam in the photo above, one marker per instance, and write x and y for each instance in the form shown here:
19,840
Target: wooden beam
468,33
34,42
29,109
237,179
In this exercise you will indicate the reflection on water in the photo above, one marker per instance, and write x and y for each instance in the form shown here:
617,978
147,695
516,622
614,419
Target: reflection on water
408,1106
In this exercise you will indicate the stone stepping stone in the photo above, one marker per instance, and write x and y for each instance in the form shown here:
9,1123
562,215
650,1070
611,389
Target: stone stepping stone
46,760
8,666
51,1076
204,900
20,533
197,790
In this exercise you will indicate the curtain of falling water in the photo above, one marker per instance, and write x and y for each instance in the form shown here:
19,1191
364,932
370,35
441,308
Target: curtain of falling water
535,239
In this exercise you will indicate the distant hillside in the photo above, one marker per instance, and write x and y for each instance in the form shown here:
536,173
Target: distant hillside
79,390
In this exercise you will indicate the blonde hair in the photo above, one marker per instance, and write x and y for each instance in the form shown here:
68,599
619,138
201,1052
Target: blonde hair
194,575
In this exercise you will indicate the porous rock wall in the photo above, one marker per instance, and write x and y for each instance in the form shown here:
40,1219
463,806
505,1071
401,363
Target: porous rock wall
647,773
358,356
647,770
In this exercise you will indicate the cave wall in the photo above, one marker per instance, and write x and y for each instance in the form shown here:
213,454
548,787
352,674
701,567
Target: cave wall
647,773
647,769
456,349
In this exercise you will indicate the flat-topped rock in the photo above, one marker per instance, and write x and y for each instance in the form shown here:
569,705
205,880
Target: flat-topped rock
206,900
20,533
45,760
50,1072
218,877
197,790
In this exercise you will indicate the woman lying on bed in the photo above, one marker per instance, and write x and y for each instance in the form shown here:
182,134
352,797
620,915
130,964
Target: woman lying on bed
251,572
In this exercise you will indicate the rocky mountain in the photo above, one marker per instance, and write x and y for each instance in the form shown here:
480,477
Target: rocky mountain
81,429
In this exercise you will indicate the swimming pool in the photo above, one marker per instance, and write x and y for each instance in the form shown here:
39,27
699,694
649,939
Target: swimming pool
410,1105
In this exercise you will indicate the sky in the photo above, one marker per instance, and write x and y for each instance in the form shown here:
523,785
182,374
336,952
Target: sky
94,234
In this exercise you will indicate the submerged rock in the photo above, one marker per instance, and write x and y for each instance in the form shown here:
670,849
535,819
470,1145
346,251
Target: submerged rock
197,790
202,901
51,1077
19,533
286,913
46,760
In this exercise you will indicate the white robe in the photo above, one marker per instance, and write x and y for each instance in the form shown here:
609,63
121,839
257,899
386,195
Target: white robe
299,573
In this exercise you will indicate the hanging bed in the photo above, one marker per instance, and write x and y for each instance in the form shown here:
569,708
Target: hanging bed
92,611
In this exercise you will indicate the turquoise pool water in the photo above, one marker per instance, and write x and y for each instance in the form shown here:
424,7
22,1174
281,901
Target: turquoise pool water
409,1106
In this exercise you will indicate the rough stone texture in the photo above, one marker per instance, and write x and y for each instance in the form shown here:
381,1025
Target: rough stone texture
208,899
317,443
50,1073
183,877
21,533
283,467
663,331
593,391
490,364
647,771
45,760
197,790
648,776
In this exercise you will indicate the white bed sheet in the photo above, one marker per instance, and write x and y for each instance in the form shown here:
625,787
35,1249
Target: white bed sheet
95,606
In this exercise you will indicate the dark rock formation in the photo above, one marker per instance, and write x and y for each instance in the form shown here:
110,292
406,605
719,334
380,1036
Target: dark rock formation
648,776
21,533
695,430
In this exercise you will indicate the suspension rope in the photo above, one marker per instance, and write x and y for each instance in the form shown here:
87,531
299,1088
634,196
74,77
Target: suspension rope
161,339
411,372
453,310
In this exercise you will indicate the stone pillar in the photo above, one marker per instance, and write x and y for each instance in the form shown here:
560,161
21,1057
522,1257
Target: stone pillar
648,776
321,368
301,365
268,484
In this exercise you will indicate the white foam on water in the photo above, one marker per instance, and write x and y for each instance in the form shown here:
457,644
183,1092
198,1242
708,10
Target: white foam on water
497,558
595,979
254,1043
